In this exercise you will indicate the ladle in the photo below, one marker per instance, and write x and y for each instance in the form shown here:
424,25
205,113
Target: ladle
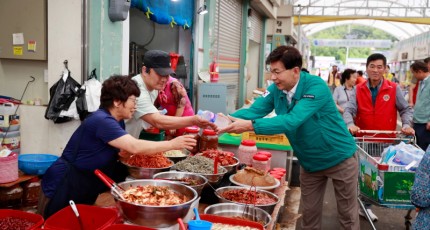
75,210
199,224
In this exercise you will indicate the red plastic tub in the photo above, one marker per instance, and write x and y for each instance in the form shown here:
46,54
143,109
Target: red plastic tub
92,217
17,215
127,227
231,221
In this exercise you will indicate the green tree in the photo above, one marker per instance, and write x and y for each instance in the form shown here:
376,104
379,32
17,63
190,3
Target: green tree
340,32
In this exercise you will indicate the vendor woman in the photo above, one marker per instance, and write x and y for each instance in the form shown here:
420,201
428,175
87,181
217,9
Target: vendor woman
95,145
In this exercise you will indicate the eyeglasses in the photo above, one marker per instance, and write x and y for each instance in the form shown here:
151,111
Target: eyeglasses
277,72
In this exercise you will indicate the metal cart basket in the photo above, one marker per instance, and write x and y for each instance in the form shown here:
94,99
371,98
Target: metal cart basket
378,185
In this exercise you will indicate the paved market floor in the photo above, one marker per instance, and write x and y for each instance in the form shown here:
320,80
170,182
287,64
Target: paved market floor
392,219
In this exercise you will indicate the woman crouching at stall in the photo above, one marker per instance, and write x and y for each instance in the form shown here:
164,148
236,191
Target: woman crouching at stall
95,145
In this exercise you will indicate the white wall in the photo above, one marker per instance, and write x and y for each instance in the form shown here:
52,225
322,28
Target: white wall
64,42
15,74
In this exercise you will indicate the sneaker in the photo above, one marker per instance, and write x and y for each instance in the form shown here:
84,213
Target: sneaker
372,215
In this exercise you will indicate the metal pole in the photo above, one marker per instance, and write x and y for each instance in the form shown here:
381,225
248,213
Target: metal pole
347,47
299,42
84,41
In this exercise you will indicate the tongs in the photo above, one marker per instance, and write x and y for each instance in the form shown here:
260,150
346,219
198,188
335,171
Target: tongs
118,190
250,208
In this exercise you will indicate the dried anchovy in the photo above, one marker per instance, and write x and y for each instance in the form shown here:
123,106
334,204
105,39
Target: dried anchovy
196,164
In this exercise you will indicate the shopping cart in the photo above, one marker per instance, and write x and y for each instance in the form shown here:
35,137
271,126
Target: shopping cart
378,184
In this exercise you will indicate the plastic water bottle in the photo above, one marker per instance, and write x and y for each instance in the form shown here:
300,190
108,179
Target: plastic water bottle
219,119
207,115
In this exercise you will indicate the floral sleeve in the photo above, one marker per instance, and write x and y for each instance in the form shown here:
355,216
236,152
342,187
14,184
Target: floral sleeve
420,194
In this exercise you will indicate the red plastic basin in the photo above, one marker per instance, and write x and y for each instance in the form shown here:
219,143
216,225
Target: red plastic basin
92,217
35,218
127,227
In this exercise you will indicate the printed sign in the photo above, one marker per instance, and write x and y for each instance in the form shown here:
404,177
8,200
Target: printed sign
352,43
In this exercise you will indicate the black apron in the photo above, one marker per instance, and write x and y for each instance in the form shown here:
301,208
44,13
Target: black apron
82,186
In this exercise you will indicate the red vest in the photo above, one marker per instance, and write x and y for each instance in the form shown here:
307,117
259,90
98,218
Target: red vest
381,116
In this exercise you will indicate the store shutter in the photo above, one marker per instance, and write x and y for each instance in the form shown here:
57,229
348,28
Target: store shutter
256,26
229,38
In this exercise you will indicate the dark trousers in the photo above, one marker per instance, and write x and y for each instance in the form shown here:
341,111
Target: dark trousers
423,135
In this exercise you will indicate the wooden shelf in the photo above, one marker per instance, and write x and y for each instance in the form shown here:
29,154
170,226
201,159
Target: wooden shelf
21,178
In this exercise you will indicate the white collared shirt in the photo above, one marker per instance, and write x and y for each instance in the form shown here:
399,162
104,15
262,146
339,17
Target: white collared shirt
290,94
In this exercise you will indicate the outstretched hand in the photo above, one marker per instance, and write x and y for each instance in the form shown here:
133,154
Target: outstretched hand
183,142
202,123
237,126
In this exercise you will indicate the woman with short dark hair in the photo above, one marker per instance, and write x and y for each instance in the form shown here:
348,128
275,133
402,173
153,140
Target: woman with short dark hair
343,92
96,145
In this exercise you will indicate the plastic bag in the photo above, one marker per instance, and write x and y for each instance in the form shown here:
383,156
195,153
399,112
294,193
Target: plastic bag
81,104
62,94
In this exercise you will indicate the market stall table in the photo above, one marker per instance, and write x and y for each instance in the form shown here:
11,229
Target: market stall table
282,155
107,200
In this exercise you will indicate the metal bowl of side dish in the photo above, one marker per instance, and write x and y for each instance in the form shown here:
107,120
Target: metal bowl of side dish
240,211
268,199
155,216
193,180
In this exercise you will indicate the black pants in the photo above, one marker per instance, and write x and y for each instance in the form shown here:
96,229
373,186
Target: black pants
423,135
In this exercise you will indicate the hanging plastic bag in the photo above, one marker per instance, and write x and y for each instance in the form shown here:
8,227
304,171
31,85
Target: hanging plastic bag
93,92
81,104
62,94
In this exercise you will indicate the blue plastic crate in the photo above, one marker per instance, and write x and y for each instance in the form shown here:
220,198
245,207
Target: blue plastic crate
35,163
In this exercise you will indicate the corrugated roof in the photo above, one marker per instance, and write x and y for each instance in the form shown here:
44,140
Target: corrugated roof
401,18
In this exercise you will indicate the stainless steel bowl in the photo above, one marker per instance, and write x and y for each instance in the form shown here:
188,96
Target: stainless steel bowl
267,207
156,216
238,210
267,188
231,168
213,179
177,159
145,173
201,180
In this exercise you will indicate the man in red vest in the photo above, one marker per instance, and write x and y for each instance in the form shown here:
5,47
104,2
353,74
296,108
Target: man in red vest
375,105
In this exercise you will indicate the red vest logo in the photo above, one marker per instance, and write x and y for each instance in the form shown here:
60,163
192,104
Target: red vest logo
386,97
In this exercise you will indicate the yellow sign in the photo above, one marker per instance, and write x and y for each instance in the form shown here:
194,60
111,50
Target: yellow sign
31,46
17,50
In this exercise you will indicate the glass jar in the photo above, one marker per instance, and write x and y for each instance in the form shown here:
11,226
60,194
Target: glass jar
194,131
11,197
269,155
209,140
259,162
31,188
247,149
